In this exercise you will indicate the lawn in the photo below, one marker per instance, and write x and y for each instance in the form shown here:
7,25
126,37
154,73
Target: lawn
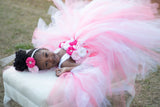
18,19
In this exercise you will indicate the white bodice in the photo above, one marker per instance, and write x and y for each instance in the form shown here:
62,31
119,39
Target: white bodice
63,58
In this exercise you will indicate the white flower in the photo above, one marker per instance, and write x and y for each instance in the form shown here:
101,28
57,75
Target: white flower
75,46
71,40
62,44
75,56
82,52
66,45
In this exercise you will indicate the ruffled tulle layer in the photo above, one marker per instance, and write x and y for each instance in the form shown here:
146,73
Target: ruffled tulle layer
124,37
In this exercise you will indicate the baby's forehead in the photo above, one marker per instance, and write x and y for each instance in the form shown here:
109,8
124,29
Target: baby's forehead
41,51
40,59
40,64
39,55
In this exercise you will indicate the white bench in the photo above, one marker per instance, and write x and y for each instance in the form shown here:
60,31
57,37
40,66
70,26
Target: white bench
32,89
27,89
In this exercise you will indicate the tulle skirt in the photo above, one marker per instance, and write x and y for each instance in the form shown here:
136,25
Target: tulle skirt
123,37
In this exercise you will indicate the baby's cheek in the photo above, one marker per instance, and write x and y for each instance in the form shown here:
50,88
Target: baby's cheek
50,65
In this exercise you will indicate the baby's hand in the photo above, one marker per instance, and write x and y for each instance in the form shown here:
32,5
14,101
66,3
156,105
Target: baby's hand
60,71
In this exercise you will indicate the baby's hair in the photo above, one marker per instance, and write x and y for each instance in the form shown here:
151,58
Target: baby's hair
20,60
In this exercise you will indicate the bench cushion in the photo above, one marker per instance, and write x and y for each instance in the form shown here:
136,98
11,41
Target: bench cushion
28,89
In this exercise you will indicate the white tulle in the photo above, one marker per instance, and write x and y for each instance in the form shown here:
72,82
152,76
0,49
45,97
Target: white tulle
122,38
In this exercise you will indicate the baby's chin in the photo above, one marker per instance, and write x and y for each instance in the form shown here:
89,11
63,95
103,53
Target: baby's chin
57,58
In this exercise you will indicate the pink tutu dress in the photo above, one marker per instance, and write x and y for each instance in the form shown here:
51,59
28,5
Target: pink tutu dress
121,39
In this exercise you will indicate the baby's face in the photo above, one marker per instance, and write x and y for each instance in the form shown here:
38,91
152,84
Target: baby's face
46,59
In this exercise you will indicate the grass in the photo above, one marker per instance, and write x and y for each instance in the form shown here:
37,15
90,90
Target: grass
147,91
23,46
18,19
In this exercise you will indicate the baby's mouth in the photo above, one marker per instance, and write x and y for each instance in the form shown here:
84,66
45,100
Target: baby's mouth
55,58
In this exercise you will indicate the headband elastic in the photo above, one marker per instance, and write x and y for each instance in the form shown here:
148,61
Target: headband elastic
34,52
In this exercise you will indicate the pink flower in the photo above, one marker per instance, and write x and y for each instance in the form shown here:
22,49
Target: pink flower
70,50
73,43
61,44
30,62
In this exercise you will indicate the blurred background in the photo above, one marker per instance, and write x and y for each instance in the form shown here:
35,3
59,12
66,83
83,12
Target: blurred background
18,19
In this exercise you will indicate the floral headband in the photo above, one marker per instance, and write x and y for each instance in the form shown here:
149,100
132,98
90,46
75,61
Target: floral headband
31,63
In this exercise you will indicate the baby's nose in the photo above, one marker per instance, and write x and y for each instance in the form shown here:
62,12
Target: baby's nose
50,59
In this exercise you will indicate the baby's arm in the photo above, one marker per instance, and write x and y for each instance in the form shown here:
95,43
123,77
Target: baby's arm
69,64
60,71
66,67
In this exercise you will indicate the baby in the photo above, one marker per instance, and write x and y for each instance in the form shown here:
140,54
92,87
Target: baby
40,59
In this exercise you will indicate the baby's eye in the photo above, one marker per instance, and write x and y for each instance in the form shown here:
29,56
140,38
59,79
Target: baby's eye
46,64
46,55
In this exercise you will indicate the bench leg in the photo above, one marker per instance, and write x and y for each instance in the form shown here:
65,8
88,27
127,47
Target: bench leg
129,101
6,101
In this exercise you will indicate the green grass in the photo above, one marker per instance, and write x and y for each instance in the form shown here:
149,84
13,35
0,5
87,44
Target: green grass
18,19
23,46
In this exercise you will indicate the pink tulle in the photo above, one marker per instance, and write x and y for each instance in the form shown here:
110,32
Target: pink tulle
122,39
